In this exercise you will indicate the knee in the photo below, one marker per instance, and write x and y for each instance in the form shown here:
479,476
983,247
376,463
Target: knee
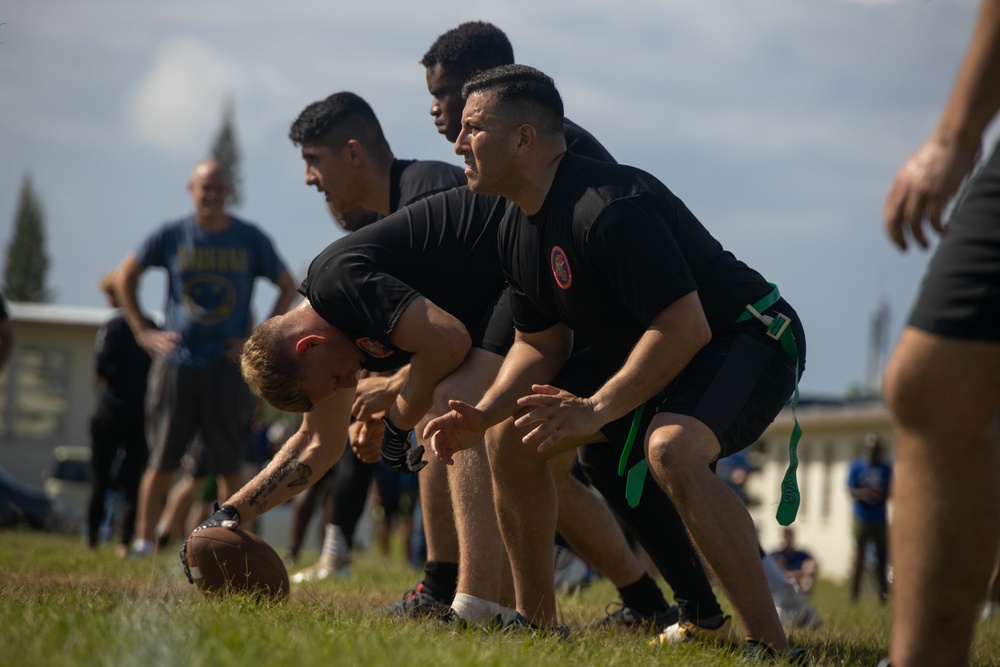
907,393
671,464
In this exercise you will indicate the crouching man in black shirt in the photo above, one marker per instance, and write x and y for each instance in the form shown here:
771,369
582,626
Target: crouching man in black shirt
608,253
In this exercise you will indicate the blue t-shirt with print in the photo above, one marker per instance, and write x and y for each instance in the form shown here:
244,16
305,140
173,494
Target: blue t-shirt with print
210,280
864,474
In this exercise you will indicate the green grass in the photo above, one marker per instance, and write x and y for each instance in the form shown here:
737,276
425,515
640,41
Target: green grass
63,604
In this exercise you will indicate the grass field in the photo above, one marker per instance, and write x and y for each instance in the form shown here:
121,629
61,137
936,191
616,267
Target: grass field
63,604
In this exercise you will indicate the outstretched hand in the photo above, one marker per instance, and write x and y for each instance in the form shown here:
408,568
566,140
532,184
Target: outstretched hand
225,517
556,415
458,430
921,190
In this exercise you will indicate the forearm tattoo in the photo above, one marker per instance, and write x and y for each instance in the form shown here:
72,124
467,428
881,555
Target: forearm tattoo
291,472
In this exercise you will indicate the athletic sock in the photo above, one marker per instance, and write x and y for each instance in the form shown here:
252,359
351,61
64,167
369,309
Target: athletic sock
336,549
643,596
441,578
475,610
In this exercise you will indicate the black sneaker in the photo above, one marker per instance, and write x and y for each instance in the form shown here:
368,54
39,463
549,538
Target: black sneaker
418,602
759,651
520,624
449,617
626,619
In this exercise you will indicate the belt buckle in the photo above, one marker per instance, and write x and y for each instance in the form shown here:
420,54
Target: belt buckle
776,328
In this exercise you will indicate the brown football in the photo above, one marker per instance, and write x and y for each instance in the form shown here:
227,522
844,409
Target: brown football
227,561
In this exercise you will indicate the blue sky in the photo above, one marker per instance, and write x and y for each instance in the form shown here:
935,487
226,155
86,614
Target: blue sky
779,122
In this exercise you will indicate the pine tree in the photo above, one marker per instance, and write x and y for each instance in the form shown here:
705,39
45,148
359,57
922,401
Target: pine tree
27,261
225,150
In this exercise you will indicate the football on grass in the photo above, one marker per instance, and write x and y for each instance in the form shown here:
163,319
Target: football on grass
235,561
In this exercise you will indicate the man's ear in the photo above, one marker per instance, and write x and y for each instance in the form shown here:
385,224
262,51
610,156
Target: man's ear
305,344
527,137
356,153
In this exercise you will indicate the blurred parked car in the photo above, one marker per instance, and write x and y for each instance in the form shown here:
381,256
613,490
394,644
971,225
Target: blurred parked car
69,484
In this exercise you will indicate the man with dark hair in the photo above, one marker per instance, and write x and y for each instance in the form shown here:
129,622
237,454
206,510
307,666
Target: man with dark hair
460,54
456,56
349,160
609,254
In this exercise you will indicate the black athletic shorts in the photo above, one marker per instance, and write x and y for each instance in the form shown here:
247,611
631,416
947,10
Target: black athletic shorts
495,332
735,385
960,295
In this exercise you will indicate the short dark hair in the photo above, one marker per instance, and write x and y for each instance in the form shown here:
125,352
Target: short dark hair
337,119
523,89
470,48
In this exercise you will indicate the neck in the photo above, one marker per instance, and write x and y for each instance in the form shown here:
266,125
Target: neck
537,185
212,223
378,198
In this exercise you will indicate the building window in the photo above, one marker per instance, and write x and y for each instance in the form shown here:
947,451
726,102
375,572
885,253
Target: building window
40,388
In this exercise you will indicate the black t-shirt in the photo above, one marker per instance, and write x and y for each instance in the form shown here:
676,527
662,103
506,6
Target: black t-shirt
123,366
412,180
443,248
610,249
581,142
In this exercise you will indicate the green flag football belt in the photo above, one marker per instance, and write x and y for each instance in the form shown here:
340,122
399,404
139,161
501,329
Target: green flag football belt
777,328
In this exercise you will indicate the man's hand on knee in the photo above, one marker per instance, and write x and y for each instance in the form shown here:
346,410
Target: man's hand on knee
462,428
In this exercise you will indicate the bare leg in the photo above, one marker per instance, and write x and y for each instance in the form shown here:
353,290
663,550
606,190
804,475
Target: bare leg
152,495
587,523
173,519
526,508
945,398
480,544
679,450
436,511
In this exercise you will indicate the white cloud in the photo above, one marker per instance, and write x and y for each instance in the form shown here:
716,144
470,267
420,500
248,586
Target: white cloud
176,106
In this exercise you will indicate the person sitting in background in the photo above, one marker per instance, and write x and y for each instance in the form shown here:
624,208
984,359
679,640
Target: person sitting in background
798,566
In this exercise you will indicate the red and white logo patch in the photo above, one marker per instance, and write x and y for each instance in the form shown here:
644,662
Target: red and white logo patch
373,348
560,268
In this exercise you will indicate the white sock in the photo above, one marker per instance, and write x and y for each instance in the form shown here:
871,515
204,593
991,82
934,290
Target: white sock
335,547
475,610
142,546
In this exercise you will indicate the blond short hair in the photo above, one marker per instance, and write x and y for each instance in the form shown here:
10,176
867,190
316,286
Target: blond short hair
270,370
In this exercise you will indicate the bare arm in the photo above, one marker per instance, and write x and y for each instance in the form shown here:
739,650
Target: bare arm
929,178
534,357
439,344
156,342
302,460
667,346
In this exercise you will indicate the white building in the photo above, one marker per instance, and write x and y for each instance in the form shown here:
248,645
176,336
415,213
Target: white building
832,436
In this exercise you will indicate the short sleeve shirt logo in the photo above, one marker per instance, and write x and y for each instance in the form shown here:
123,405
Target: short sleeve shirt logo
560,268
373,348
208,299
